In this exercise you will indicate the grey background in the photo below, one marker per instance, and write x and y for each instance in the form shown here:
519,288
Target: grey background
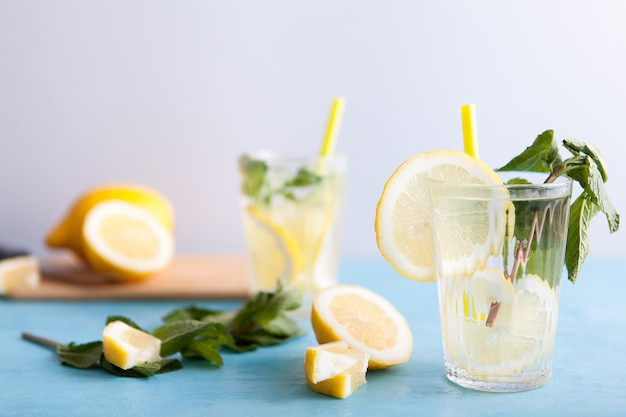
168,93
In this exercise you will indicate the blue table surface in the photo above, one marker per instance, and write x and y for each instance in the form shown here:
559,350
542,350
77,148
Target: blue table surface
588,379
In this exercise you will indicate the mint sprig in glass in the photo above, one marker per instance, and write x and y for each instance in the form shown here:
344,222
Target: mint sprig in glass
587,168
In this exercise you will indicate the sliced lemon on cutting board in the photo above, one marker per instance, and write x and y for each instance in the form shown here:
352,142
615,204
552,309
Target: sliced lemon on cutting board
365,321
274,252
335,369
125,240
403,223
68,233
125,346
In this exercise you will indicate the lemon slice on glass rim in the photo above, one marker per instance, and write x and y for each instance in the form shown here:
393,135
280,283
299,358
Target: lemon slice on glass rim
403,224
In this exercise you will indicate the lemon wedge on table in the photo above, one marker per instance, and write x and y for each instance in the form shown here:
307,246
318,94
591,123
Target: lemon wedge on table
274,252
403,223
125,346
125,240
68,233
335,369
365,321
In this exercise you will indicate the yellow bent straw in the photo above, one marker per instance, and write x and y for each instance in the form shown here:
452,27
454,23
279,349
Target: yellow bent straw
336,113
470,137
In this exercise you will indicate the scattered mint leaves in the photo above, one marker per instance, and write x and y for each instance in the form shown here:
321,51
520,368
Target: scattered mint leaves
145,370
177,336
80,355
586,167
197,332
257,186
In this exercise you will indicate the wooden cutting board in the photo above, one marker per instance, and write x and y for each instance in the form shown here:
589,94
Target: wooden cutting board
191,277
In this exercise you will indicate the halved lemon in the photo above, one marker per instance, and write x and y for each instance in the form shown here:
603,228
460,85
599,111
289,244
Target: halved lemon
335,369
403,223
68,232
125,347
273,251
123,239
365,321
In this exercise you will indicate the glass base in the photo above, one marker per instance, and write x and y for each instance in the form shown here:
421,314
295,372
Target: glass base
509,383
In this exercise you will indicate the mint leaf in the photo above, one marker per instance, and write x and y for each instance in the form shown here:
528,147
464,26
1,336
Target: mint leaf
145,370
264,307
283,327
577,249
304,178
253,176
206,348
177,335
576,147
541,156
585,171
192,312
80,356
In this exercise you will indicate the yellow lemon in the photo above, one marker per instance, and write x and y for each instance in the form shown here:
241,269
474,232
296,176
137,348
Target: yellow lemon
125,347
403,223
365,321
125,240
274,252
335,369
68,233
18,272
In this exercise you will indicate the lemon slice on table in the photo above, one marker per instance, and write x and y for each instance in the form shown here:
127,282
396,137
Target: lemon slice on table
274,252
403,223
335,369
125,347
125,240
365,321
68,232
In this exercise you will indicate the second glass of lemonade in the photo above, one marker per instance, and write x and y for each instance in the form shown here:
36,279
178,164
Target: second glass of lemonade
292,215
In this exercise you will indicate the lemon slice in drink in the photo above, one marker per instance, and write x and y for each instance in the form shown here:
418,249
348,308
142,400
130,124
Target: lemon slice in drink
335,369
125,347
365,321
126,240
274,252
403,222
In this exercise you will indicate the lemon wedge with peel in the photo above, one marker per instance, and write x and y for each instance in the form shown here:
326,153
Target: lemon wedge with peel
68,232
125,346
403,223
274,252
335,369
365,321
125,240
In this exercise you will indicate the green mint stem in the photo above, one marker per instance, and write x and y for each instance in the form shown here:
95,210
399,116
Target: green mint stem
41,340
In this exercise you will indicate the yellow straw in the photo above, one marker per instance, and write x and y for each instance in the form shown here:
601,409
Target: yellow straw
334,121
470,137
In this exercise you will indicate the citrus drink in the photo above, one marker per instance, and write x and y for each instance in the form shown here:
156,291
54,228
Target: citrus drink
499,315
292,210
